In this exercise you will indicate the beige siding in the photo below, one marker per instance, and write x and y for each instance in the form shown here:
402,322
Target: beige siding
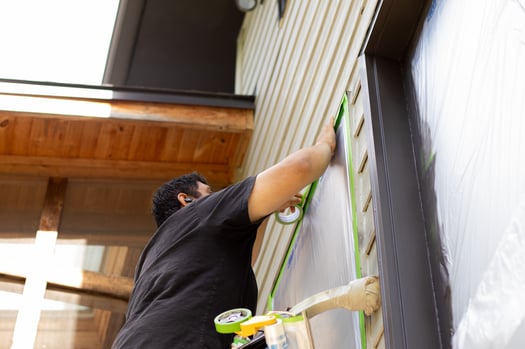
364,211
299,68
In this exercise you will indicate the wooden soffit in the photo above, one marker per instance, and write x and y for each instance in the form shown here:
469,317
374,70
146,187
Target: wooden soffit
98,132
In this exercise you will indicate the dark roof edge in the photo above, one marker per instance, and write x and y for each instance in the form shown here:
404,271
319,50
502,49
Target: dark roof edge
200,98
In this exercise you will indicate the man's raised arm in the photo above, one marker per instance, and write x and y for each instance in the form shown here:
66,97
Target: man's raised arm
276,186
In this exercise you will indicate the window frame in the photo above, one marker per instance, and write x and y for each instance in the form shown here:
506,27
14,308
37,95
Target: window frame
409,282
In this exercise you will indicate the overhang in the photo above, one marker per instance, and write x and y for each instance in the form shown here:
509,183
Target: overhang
57,130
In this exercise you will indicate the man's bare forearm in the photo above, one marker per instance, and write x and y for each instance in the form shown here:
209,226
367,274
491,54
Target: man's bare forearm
277,184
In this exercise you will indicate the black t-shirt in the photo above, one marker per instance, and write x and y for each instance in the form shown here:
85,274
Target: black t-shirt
196,266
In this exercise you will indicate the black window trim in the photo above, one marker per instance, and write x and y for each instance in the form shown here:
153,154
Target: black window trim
408,286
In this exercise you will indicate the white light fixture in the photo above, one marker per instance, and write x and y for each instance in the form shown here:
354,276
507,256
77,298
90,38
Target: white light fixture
246,5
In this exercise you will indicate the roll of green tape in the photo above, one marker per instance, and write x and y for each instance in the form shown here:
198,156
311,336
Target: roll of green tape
230,321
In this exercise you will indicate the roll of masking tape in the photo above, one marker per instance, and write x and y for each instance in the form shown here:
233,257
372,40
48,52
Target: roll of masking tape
275,336
291,217
230,321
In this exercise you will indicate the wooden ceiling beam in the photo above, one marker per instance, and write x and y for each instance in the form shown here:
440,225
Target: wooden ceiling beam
219,174
26,326
103,238
201,117
15,284
190,116
76,280
53,204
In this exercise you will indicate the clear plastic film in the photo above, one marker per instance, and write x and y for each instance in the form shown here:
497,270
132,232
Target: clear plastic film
323,256
495,313
469,75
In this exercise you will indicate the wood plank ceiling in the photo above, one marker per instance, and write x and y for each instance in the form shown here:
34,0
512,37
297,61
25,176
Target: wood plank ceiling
63,136
99,153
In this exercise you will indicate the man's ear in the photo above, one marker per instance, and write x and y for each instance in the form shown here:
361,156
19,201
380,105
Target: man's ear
184,199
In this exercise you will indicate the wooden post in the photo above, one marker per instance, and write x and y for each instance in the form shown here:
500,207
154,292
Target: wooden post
35,286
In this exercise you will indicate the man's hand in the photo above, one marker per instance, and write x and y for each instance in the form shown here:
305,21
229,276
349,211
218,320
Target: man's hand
327,135
294,201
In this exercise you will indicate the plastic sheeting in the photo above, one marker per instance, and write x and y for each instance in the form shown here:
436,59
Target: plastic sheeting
469,75
323,256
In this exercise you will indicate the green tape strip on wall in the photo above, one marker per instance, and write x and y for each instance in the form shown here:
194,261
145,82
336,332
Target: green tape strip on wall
342,112
353,201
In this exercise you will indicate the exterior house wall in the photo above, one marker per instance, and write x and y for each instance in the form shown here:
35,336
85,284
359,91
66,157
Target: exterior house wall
299,67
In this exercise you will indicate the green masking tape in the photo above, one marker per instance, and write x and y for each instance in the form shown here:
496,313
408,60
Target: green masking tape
230,321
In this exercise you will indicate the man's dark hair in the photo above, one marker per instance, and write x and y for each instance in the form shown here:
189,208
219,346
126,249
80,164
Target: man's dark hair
165,201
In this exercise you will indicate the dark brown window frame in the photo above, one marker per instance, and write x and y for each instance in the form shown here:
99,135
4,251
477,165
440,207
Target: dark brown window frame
412,300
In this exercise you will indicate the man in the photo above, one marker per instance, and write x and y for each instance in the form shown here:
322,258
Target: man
198,263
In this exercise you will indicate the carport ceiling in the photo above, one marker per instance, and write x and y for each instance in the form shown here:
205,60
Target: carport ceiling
81,132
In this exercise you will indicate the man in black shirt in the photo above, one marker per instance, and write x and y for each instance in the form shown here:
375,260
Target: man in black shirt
198,263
